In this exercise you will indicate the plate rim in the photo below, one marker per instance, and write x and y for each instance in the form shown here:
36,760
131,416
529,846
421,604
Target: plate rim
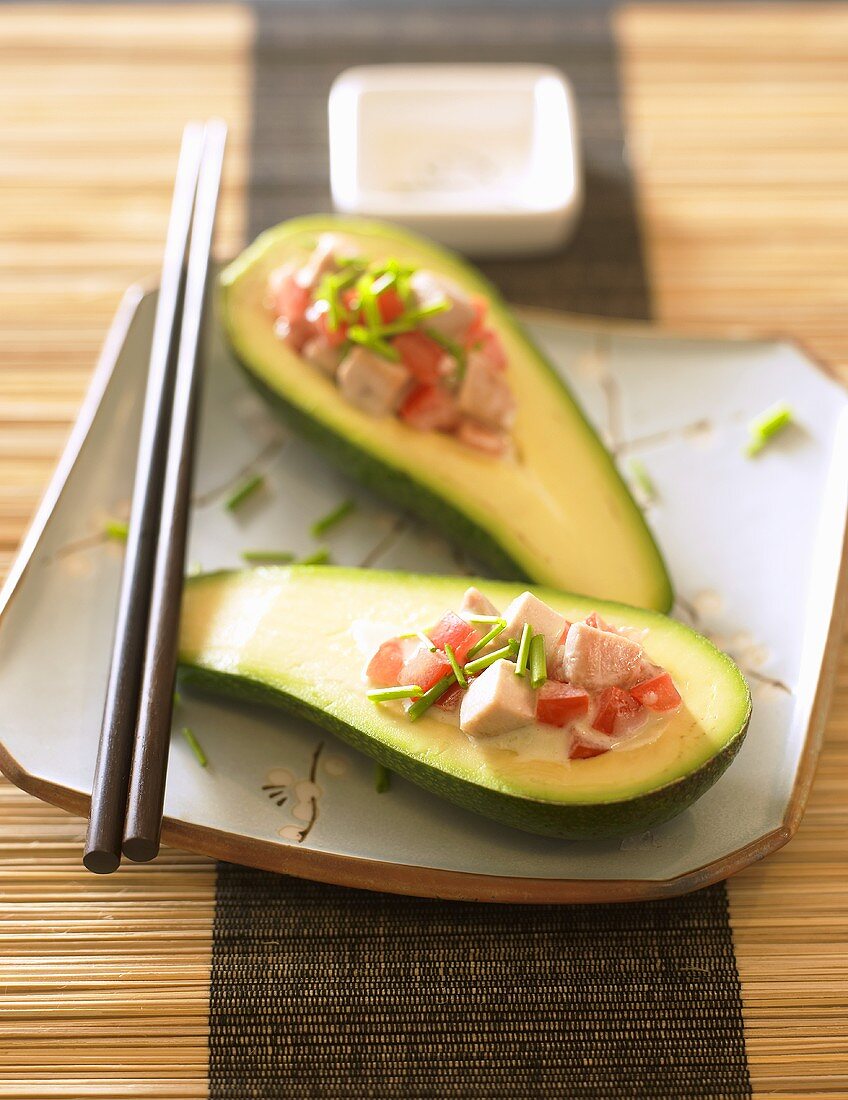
407,879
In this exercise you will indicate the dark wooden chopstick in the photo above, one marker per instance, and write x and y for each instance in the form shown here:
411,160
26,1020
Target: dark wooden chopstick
153,733
112,771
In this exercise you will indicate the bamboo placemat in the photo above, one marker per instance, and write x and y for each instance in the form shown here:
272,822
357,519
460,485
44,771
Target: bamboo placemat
737,139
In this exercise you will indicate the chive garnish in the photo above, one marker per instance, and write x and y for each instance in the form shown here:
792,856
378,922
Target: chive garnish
483,618
427,642
498,628
450,346
383,282
317,557
538,665
766,426
195,747
642,479
382,778
420,706
455,665
322,526
360,335
385,695
268,557
245,490
523,650
116,529
509,650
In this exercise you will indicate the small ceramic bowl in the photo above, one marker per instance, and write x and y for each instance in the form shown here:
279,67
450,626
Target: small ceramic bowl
484,158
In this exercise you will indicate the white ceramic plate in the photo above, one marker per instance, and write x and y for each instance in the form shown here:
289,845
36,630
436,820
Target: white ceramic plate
755,549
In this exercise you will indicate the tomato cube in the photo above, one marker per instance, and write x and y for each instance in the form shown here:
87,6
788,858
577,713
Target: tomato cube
425,669
384,667
451,630
389,305
614,705
475,329
421,356
451,699
429,409
658,693
583,750
558,704
335,337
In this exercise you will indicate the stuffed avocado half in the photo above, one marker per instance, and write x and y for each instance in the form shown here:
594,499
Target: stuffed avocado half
307,638
504,463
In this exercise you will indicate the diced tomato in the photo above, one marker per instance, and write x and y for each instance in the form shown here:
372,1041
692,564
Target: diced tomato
658,693
475,329
384,667
292,299
429,409
420,355
482,439
558,704
425,669
451,699
334,337
389,305
614,705
582,750
451,630
490,346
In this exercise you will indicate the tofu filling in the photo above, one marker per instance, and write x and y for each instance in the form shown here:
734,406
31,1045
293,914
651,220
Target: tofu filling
495,674
397,341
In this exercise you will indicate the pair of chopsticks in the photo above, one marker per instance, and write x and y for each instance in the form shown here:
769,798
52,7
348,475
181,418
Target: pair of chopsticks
128,793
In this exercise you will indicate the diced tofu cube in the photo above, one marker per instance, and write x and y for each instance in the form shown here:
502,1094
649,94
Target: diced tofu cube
321,354
542,618
371,383
475,603
597,659
485,394
497,701
429,289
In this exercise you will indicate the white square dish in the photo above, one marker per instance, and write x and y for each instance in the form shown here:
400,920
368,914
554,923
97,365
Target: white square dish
484,158
755,547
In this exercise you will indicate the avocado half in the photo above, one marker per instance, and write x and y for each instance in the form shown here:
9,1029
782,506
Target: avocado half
560,514
288,636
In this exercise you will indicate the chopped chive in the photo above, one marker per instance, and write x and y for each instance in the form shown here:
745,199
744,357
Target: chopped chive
317,557
360,335
385,695
268,557
523,650
195,747
383,282
498,628
509,650
642,479
538,665
455,665
245,490
766,426
483,618
382,778
427,642
116,529
450,346
432,309
322,526
420,706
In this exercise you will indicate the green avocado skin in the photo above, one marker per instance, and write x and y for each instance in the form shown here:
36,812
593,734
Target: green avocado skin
587,821
399,486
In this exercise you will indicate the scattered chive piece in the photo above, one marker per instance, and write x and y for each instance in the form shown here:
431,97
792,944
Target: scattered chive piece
455,665
116,529
432,309
483,618
382,778
498,628
361,335
325,523
509,650
195,747
450,346
764,427
420,706
247,489
317,557
385,695
427,642
642,479
523,650
269,557
538,665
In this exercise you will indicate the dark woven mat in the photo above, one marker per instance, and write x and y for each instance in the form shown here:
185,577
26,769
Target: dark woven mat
324,992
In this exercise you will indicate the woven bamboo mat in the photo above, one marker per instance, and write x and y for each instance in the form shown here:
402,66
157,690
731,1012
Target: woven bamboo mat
737,137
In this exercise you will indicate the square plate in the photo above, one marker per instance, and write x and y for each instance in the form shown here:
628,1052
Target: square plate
755,549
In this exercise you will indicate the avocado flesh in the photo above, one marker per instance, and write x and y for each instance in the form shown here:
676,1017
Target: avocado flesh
559,514
289,636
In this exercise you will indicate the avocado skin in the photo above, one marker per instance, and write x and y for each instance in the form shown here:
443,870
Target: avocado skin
392,482
586,821
394,485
